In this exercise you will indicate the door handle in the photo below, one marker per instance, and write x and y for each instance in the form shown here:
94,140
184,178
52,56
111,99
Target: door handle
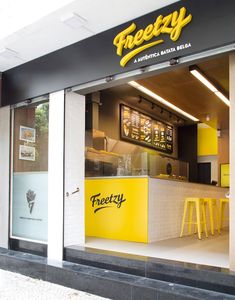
74,192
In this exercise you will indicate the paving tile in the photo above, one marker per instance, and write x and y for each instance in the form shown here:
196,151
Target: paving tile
15,286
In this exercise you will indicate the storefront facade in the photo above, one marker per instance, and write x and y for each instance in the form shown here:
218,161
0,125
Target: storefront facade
173,36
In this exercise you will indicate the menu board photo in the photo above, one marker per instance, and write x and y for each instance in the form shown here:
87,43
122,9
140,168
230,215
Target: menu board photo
130,123
145,129
142,129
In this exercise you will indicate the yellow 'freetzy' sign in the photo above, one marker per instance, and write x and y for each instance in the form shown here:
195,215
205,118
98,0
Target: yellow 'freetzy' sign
117,208
171,24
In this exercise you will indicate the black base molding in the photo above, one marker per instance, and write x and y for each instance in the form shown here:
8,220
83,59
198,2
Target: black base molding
28,247
194,275
102,282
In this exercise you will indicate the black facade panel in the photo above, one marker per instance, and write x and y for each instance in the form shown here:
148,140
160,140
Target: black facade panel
28,247
187,148
212,26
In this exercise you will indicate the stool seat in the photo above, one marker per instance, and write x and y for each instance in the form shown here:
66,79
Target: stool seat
212,200
224,200
199,206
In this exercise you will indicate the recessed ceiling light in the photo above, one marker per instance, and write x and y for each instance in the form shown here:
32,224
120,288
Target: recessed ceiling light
161,100
8,53
194,70
73,20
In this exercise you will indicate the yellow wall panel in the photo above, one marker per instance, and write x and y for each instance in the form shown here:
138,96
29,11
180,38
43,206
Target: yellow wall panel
117,208
207,142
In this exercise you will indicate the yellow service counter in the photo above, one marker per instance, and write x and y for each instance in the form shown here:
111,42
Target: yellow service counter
139,209
117,208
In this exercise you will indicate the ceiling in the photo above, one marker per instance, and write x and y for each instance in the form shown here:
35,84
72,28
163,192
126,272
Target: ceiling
183,90
30,29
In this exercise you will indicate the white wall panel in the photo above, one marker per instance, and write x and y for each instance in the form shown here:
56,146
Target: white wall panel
166,205
4,174
74,223
56,176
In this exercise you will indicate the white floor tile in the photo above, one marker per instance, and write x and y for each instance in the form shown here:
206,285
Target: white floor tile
212,251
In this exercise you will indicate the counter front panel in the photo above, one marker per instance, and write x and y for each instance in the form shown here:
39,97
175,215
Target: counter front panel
117,208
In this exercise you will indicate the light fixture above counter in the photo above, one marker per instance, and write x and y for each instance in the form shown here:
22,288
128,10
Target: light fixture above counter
197,73
163,101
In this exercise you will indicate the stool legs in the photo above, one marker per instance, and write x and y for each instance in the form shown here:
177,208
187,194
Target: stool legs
190,218
217,220
200,223
222,215
211,214
201,219
204,219
221,211
183,220
200,205
222,204
198,215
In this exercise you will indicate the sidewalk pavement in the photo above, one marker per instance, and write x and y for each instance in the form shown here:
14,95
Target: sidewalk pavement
14,286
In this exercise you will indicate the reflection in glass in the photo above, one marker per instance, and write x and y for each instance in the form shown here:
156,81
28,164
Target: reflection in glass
30,172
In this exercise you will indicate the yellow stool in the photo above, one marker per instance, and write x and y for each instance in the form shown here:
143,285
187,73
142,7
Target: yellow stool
222,203
213,211
198,204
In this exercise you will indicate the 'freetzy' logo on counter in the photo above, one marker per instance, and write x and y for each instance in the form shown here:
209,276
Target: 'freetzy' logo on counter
106,202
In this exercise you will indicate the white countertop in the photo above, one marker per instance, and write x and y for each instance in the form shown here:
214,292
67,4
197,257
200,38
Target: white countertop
155,178
118,177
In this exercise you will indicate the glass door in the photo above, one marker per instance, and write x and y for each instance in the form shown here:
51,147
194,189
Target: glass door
29,183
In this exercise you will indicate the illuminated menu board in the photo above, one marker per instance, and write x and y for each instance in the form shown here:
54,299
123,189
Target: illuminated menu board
144,130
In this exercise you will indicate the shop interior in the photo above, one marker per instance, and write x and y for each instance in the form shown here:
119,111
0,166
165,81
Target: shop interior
169,127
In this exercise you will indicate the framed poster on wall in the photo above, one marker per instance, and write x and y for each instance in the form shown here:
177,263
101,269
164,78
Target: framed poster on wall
224,175
26,153
27,134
